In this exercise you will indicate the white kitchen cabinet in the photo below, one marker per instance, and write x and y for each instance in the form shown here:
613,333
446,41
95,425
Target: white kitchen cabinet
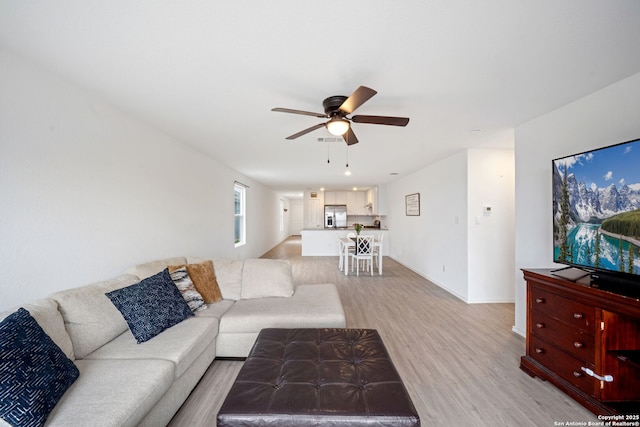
356,201
330,197
341,197
371,200
361,202
335,197
381,200
376,201
351,203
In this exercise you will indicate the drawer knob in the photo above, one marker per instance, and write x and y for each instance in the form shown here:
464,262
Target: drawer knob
578,344
577,374
578,315
540,300
540,325
539,350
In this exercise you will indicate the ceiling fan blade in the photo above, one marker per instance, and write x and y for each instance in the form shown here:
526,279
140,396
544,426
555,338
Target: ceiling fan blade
350,137
306,113
357,98
381,120
306,131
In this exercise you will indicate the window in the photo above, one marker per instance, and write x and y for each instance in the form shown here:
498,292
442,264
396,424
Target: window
240,217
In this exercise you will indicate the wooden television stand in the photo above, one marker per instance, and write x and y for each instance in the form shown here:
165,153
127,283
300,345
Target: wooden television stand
585,341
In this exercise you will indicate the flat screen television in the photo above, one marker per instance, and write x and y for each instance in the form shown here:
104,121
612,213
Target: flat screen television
596,214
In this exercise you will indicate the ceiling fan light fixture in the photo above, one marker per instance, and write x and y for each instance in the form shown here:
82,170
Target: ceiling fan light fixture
337,126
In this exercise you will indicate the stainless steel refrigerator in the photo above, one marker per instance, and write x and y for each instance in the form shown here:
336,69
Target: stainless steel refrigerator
335,216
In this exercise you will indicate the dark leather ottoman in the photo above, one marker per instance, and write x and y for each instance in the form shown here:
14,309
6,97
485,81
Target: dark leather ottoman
318,377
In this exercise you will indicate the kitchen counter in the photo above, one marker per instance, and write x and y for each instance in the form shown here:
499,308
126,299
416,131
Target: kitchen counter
324,241
347,229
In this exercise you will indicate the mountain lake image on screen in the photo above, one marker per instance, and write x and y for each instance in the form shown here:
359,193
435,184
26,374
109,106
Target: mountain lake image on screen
596,209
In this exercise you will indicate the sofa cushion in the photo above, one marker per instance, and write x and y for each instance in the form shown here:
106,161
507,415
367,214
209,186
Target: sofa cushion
154,267
90,318
151,306
181,344
34,371
262,278
185,285
229,277
312,306
204,279
216,310
113,393
46,313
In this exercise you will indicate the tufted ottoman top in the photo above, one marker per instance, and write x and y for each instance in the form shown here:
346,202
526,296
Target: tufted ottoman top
310,377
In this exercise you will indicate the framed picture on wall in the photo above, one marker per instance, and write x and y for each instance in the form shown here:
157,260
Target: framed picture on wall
412,204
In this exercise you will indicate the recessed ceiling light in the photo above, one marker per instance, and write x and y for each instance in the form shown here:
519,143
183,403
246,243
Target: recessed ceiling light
347,173
355,188
321,188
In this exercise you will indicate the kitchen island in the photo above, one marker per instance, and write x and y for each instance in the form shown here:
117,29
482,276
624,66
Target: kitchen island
324,241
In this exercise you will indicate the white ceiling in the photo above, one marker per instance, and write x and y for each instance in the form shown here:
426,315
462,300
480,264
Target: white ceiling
209,72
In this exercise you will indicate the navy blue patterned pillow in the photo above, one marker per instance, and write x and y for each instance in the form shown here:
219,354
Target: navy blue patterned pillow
151,305
34,371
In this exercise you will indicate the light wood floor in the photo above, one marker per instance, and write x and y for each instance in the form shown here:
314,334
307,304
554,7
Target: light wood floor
460,362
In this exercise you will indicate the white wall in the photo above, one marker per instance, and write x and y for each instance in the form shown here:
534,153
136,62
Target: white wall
88,191
491,243
453,242
605,117
433,244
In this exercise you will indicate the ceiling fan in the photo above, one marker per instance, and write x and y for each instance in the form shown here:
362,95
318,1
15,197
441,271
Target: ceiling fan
336,109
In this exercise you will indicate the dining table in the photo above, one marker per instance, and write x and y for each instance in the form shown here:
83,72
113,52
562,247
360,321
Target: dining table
350,242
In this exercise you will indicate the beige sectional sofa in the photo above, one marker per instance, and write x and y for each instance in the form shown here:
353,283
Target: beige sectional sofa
123,383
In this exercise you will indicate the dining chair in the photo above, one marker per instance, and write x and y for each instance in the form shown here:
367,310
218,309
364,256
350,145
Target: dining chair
363,252
377,249
340,253
350,249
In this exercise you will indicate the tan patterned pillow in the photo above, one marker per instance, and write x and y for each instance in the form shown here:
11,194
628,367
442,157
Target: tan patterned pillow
188,290
204,279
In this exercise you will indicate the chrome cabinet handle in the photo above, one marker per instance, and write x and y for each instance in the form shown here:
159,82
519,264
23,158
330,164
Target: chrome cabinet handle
605,378
540,300
578,315
578,344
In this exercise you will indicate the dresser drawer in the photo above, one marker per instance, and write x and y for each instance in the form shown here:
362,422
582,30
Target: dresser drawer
576,342
563,365
567,311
